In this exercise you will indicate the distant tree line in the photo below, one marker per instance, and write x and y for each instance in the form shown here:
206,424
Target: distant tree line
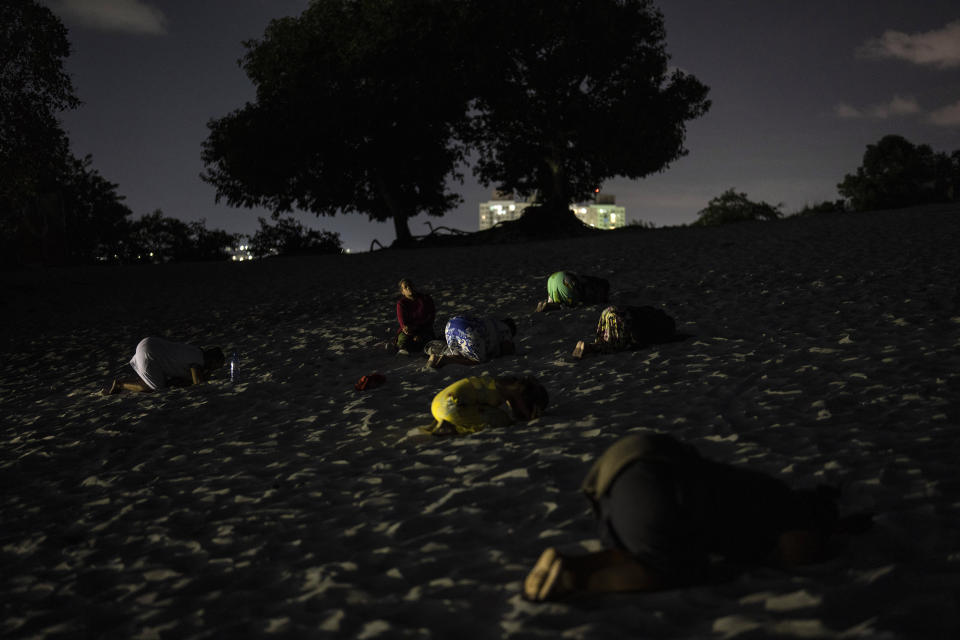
157,238
895,173
56,208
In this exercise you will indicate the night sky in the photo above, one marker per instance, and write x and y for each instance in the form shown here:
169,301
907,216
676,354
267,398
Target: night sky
798,89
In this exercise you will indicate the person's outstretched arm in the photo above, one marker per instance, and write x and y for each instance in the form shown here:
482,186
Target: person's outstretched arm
401,317
437,361
546,305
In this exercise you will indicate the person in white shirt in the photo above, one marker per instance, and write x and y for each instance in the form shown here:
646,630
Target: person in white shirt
160,363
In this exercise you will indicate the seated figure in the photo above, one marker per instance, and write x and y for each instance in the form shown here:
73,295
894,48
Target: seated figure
622,328
472,340
565,288
160,363
415,313
662,510
473,404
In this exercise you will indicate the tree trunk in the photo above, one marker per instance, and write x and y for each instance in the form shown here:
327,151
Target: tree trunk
553,187
400,227
551,215
404,238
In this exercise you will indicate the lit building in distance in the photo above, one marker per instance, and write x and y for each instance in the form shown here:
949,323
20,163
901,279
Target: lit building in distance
602,213
241,253
501,209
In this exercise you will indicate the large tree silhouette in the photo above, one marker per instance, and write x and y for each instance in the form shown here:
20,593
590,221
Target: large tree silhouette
54,207
576,92
34,151
897,173
369,105
355,108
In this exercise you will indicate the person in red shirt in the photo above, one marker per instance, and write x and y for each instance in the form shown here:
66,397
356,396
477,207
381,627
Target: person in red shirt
415,313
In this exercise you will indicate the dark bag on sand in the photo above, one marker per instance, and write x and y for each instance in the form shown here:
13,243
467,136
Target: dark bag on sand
648,325
594,290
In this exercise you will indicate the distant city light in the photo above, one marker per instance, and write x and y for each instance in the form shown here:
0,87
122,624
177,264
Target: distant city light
601,213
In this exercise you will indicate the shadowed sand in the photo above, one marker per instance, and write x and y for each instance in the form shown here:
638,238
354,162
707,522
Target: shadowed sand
825,349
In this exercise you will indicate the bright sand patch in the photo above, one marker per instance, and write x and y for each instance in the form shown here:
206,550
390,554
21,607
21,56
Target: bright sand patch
825,349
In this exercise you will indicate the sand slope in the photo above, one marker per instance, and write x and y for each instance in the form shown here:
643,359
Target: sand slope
825,349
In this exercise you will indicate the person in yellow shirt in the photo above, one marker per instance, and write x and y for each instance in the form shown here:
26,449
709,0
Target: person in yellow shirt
473,404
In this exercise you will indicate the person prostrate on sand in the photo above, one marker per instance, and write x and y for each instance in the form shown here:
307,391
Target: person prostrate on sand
622,328
159,363
473,404
662,509
415,313
473,340
565,288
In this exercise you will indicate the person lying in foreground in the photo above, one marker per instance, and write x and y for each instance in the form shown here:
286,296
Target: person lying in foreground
474,404
661,509
567,289
622,328
159,364
473,340
415,313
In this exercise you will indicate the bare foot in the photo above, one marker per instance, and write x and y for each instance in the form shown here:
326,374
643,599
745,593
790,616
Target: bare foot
435,361
542,305
549,579
580,350
113,388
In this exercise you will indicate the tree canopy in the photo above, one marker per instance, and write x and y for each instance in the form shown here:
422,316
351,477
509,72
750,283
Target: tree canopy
56,208
288,237
577,92
34,151
33,89
896,173
159,238
370,106
732,206
356,102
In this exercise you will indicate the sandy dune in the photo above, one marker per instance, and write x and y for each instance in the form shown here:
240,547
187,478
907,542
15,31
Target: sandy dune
824,349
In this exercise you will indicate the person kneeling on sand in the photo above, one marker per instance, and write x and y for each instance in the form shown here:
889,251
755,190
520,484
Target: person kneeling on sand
159,363
565,288
415,313
473,404
662,509
622,328
475,340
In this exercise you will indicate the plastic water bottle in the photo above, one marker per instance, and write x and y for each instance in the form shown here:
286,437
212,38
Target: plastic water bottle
234,368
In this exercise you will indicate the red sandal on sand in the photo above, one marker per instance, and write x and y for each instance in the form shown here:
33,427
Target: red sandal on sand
369,382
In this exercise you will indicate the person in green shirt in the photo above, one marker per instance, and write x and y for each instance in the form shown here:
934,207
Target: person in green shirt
568,289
